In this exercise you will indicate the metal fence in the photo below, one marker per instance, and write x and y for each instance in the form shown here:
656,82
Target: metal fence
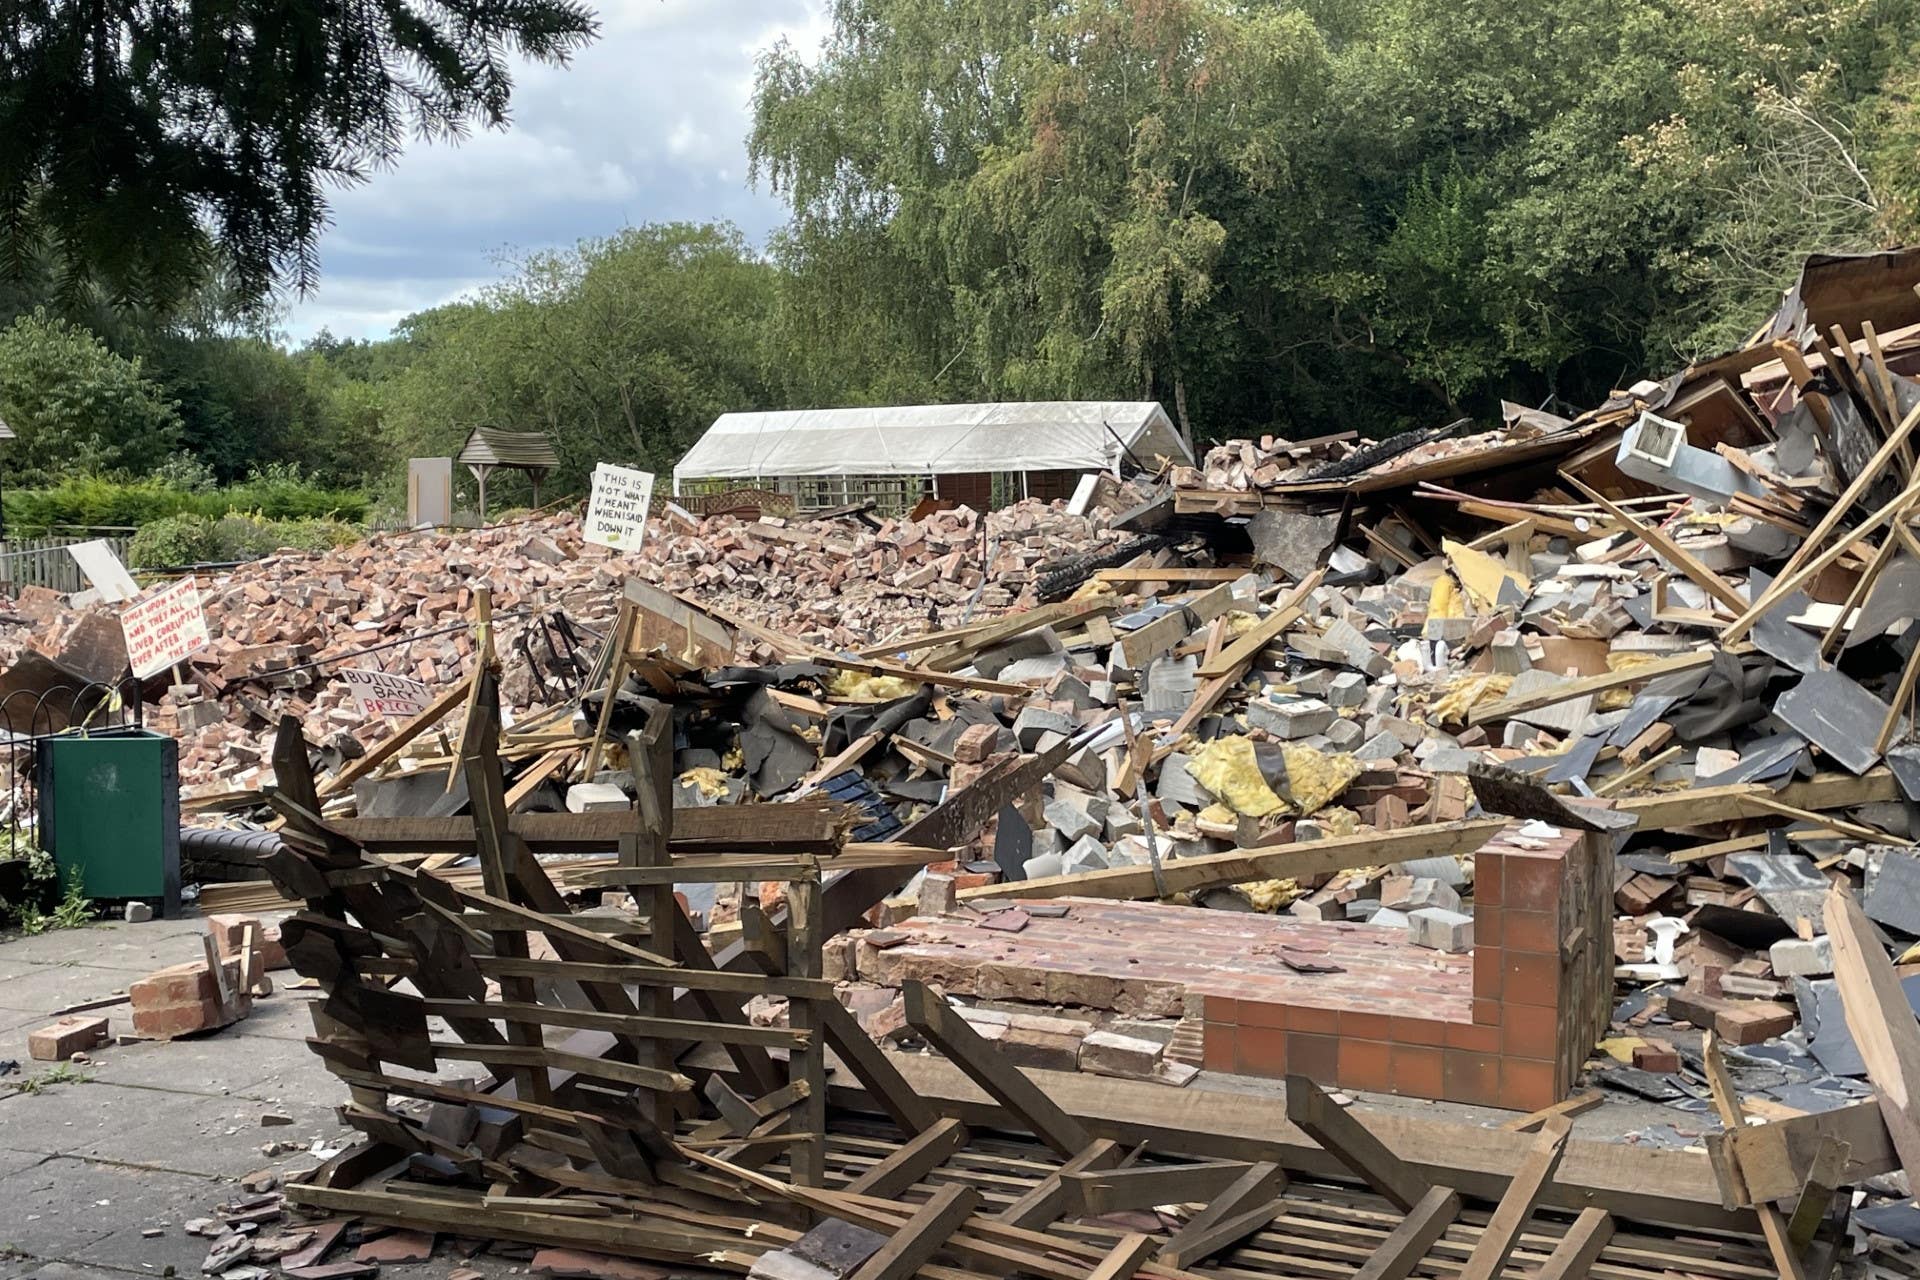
44,562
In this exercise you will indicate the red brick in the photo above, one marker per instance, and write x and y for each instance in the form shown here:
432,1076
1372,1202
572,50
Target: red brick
1365,1026
184,998
1420,1031
227,930
1264,1013
1261,1051
1531,979
60,1040
1220,1009
1532,883
1419,1072
1315,1057
1472,1078
1488,1013
1473,1038
1657,1056
1529,1032
1218,1047
1526,1085
1365,1064
1489,875
1317,1021
1537,932
1489,926
1489,972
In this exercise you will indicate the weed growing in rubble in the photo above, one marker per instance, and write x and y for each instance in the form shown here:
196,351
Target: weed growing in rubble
74,912
62,1074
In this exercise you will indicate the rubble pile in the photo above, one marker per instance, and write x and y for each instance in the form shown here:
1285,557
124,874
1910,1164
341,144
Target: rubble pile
401,603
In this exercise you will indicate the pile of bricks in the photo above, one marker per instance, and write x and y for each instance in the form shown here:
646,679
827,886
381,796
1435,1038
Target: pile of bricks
280,625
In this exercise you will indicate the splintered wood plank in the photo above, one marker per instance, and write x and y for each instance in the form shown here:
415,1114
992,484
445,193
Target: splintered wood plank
1124,1258
1877,1016
1286,611
948,1032
1144,1186
921,1155
808,1156
1507,708
1408,1243
873,1069
923,1235
1578,1104
389,747
1353,1144
1050,1198
1503,1229
1579,1248
1227,1232
1256,1186
1825,1176
1668,549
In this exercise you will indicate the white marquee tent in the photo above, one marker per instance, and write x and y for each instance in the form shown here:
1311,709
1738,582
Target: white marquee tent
933,439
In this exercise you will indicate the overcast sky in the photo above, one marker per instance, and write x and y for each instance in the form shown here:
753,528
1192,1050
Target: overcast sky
647,125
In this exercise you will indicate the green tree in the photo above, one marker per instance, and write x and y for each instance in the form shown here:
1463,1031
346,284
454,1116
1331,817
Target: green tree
623,349
76,407
149,141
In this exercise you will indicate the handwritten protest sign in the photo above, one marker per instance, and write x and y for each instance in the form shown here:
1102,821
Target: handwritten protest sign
375,693
164,628
617,513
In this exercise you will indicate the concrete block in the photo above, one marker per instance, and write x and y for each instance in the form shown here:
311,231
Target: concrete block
1068,815
1178,785
1345,734
1108,1053
1411,893
596,797
1044,867
1379,746
1348,689
1034,721
1441,930
1087,854
1290,720
1801,958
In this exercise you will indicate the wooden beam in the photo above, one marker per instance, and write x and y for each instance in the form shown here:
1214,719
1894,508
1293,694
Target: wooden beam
1407,1244
1668,549
1309,1107
740,984
1050,1198
1578,1104
923,1235
1880,1021
1139,647
808,1155
1285,612
1791,580
1580,1248
1824,1177
1507,708
1726,1100
1125,1258
874,1069
1255,1187
948,1032
1227,1232
912,1161
1656,812
1144,1186
1503,1229
557,1015
389,747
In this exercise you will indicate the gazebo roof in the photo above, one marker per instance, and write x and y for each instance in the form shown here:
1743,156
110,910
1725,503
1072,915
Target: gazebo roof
528,450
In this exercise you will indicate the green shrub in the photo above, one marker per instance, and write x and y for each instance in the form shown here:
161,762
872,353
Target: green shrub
175,540
89,501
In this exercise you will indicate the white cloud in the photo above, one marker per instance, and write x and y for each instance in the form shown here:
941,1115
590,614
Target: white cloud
648,124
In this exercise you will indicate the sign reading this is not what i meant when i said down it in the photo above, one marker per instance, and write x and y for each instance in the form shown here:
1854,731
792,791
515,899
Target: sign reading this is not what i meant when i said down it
617,513
164,628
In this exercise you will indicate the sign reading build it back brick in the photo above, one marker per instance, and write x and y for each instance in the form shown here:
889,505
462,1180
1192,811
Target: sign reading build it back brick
164,628
617,513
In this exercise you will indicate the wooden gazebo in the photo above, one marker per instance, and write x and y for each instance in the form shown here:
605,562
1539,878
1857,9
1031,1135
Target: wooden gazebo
490,447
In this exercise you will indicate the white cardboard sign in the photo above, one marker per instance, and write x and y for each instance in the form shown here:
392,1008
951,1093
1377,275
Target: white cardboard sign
617,513
104,570
375,693
164,628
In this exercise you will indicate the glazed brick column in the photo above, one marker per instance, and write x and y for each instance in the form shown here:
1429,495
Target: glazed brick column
1540,984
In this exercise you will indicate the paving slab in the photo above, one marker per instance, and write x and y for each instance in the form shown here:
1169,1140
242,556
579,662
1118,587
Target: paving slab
30,988
91,1214
155,1128
237,1060
136,948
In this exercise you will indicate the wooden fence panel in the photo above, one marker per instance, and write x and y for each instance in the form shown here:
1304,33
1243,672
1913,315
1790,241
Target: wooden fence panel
44,562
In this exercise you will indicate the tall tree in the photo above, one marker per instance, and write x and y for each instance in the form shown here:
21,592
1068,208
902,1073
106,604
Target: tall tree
148,139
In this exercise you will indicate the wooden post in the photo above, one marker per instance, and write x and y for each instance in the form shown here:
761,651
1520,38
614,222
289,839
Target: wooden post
808,1065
